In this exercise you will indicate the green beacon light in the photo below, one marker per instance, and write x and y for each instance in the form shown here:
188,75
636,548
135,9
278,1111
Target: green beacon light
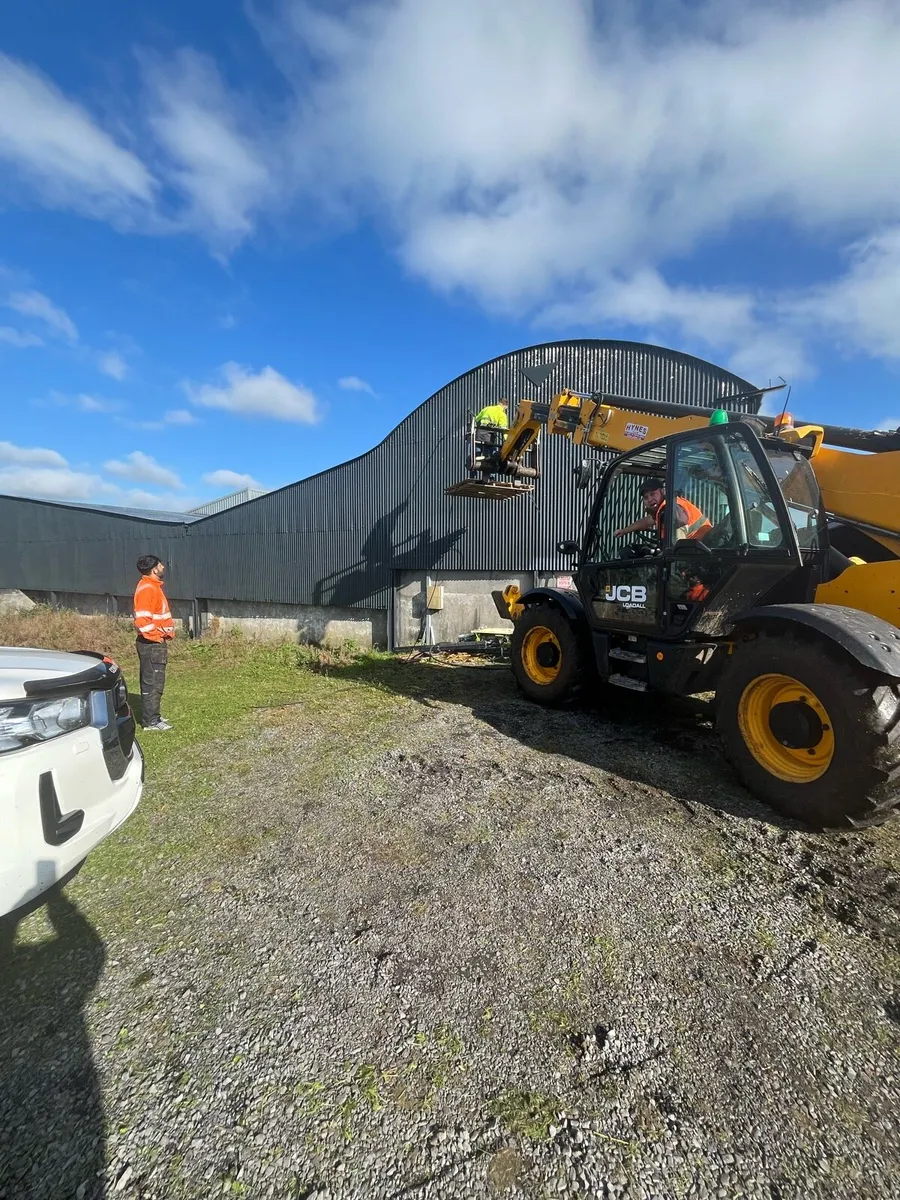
719,417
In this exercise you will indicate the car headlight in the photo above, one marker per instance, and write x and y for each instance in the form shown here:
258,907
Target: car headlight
29,721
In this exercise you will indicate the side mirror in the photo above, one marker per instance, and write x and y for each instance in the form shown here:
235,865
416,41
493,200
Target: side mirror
568,547
587,472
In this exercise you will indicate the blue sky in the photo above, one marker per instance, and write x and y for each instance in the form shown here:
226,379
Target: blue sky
242,241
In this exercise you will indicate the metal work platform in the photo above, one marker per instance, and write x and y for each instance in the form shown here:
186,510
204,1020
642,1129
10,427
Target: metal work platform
483,489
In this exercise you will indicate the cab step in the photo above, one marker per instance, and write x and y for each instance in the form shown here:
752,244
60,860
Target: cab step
626,681
633,656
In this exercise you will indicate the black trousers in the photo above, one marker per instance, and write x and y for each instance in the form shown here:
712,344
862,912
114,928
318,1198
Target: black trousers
153,658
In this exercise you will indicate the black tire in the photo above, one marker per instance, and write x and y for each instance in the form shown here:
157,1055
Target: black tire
861,784
574,668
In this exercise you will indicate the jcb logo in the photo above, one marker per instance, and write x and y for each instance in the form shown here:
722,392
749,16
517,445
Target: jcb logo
625,594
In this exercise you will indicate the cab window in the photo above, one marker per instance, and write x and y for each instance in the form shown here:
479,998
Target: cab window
623,505
801,494
763,527
701,487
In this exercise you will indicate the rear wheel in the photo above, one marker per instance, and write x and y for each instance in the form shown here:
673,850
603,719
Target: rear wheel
550,656
810,731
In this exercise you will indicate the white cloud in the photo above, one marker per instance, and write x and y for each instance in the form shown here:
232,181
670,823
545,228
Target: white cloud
890,425
30,456
179,416
86,488
860,308
142,468
84,402
112,364
531,183
231,479
55,146
96,404
45,474
264,394
718,321
15,337
761,332
214,162
42,308
47,483
202,141
353,383
532,176
175,416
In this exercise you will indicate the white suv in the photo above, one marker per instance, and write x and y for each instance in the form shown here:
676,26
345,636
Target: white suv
70,768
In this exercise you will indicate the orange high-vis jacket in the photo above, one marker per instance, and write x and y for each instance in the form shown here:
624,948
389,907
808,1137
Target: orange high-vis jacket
697,524
152,617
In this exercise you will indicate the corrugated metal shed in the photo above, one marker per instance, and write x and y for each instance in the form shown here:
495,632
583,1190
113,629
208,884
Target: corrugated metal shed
56,547
338,537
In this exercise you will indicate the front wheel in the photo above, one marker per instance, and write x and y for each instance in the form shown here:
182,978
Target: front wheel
811,732
550,656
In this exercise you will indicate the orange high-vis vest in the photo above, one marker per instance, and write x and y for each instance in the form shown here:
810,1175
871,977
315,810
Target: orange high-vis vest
152,617
697,523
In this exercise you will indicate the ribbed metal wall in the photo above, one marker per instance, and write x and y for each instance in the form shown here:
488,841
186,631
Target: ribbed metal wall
47,547
338,537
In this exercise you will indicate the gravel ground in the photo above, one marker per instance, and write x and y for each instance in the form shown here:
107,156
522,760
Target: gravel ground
496,952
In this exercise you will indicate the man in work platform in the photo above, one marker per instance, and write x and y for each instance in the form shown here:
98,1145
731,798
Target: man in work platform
155,629
689,522
494,416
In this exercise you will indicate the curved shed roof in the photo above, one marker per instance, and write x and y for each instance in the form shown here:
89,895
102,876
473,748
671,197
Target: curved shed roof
342,536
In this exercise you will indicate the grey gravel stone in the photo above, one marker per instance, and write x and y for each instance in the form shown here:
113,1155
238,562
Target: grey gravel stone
266,1055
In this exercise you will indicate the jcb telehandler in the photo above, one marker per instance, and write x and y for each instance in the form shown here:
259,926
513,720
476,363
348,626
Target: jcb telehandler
783,600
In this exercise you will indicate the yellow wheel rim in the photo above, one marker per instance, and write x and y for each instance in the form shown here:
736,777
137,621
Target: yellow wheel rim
541,655
786,728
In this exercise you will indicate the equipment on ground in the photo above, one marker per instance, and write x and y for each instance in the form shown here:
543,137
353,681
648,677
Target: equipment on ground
787,607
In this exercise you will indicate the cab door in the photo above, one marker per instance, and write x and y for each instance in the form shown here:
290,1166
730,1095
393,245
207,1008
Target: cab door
750,552
620,578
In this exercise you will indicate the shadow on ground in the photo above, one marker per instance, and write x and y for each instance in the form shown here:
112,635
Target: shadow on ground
52,1143
657,741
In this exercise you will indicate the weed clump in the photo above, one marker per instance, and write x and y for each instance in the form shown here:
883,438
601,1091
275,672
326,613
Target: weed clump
528,1114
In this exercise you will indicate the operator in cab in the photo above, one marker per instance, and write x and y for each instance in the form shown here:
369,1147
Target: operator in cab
494,416
690,522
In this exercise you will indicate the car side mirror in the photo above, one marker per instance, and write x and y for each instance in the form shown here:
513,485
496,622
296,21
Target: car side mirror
567,547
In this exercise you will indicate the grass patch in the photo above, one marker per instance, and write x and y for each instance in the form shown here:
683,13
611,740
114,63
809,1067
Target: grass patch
47,628
360,1090
564,1006
232,702
526,1114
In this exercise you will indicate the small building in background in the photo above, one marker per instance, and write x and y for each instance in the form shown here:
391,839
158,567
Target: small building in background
353,553
229,501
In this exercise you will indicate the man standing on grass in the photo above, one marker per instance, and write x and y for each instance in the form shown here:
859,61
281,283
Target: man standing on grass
155,629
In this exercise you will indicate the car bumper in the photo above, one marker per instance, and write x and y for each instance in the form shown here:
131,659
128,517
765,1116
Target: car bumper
42,789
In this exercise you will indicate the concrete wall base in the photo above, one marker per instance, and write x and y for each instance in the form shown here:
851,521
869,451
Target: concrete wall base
467,604
90,605
13,601
320,625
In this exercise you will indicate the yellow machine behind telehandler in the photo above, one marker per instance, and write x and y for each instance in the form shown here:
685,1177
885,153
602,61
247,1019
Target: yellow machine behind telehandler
725,553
